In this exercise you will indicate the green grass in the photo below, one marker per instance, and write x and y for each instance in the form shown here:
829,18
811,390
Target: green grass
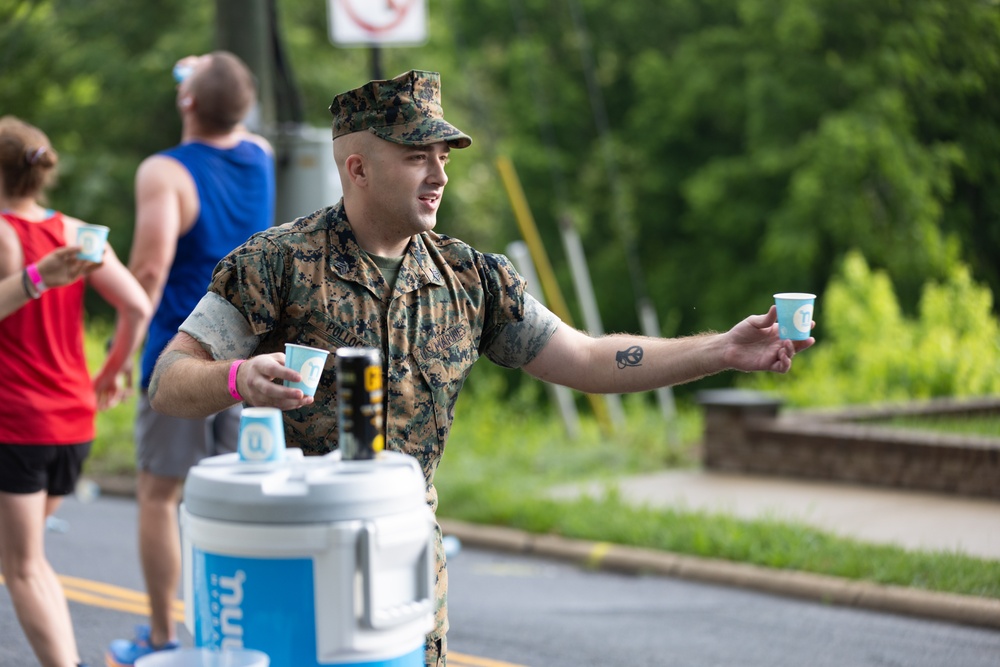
499,469
505,454
987,425
765,543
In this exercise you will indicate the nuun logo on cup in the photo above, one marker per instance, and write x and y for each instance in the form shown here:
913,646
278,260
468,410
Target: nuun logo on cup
257,443
311,371
91,241
262,436
802,318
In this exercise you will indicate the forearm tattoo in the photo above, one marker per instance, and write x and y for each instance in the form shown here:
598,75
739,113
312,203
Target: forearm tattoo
166,360
631,356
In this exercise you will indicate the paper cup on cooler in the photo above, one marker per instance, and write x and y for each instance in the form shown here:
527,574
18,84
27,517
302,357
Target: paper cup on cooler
203,657
309,362
795,314
91,239
262,435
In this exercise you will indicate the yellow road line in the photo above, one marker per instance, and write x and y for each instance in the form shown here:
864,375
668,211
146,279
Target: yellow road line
98,601
111,590
109,596
462,660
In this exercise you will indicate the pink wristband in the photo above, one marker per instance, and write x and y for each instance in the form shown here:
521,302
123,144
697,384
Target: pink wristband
233,391
36,278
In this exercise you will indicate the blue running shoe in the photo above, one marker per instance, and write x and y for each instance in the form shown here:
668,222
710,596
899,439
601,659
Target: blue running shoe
124,652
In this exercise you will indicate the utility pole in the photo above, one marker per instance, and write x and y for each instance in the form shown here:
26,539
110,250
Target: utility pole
376,61
243,27
306,176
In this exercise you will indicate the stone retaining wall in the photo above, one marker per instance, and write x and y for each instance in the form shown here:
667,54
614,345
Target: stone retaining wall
745,432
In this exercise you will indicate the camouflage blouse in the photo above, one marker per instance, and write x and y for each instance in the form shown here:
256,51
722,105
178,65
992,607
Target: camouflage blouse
308,282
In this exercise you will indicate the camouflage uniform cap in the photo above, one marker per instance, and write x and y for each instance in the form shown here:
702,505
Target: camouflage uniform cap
404,110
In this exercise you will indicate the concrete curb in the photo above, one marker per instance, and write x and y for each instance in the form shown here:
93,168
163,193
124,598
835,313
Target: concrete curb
113,485
962,609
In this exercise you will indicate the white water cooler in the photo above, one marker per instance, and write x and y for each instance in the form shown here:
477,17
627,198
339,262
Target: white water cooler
313,560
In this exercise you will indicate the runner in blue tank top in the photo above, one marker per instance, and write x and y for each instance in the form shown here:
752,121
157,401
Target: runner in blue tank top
194,203
235,191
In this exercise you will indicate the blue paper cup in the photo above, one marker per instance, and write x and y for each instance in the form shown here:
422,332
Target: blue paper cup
262,435
309,362
795,314
91,239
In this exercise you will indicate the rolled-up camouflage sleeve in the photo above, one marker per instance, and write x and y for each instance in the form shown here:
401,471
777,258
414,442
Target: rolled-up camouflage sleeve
220,328
251,279
517,325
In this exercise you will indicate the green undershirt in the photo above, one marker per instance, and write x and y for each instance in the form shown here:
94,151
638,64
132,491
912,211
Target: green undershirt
389,266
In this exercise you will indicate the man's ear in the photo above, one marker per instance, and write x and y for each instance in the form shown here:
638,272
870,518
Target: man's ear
186,102
356,169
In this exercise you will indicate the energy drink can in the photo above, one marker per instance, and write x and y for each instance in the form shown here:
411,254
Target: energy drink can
359,397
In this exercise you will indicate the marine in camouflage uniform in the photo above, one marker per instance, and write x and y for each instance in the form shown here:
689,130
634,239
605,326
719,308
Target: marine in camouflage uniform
309,282
312,282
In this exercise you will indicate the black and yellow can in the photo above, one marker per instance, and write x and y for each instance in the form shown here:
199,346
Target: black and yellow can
359,397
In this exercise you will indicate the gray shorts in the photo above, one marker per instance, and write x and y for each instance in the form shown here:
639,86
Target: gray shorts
169,446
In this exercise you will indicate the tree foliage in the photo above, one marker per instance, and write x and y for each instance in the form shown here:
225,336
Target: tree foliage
728,149
757,140
95,76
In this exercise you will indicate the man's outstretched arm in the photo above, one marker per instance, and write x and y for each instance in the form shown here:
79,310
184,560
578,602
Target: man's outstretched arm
623,363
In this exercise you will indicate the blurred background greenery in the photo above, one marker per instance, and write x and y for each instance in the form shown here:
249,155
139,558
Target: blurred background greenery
709,153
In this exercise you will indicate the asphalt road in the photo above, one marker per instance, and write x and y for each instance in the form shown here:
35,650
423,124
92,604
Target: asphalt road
512,611
550,614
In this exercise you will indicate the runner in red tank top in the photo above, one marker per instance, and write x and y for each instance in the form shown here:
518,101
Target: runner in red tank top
47,399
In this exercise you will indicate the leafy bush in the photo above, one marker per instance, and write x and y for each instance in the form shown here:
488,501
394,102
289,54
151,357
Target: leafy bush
513,434
867,350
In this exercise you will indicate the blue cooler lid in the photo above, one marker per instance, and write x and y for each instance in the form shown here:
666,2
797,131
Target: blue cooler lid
304,489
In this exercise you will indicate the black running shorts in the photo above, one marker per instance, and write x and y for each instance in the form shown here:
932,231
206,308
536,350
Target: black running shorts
33,468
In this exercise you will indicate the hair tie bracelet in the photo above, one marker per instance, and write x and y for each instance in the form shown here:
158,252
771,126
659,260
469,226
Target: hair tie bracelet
233,391
29,288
